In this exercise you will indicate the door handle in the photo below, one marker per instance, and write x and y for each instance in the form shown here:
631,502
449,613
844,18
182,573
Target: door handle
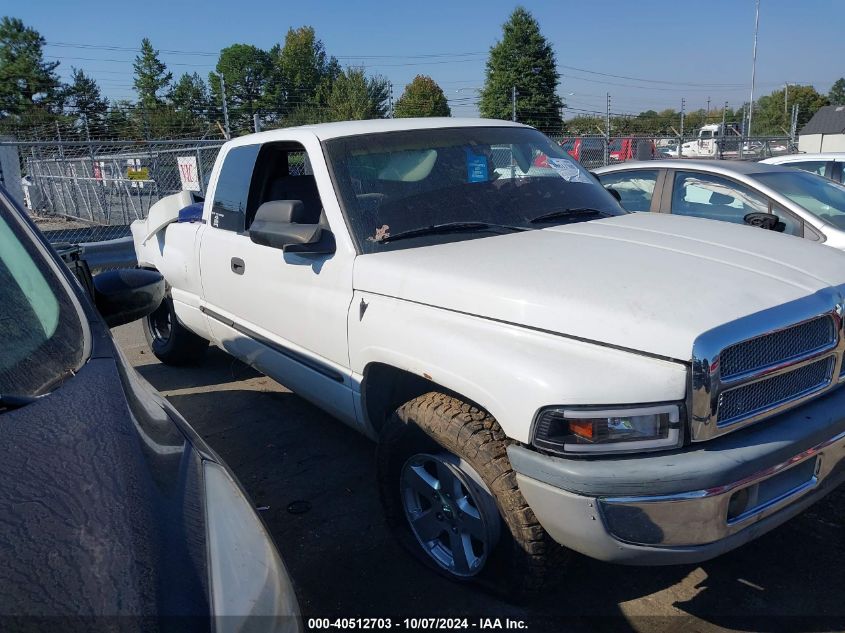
238,266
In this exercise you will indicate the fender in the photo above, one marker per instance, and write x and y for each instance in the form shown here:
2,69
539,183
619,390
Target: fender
510,370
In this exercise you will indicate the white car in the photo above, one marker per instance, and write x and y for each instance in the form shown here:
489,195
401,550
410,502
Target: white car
788,200
535,363
830,165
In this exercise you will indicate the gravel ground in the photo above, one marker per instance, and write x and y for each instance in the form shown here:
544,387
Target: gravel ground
346,564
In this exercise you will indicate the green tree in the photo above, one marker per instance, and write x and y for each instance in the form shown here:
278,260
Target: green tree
355,96
190,103
30,90
422,97
837,92
772,112
246,70
302,77
84,98
525,60
151,76
121,122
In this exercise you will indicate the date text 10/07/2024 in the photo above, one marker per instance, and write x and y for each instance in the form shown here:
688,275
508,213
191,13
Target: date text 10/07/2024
429,624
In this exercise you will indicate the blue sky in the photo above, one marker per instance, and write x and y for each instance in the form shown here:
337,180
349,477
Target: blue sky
698,49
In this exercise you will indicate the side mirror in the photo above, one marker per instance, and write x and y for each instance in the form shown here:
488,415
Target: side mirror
767,221
613,192
279,224
128,294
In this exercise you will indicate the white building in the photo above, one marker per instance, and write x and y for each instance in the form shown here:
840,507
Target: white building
825,132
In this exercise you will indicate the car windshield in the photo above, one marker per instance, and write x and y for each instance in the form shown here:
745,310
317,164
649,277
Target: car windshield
822,197
40,326
503,177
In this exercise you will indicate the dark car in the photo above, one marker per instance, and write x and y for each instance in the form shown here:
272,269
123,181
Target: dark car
110,504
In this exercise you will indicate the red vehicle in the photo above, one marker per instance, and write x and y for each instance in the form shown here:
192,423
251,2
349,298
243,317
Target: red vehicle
631,148
589,151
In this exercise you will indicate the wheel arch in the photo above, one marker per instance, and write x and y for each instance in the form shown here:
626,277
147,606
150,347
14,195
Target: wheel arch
386,387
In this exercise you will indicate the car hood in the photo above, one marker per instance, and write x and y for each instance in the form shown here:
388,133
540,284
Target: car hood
646,282
101,505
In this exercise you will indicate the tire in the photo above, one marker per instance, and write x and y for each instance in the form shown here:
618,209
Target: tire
435,437
170,341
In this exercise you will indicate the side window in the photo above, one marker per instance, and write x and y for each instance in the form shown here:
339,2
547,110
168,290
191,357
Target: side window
283,172
715,198
813,166
231,195
794,226
635,187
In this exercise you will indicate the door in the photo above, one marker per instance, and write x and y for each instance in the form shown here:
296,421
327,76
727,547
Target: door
703,195
283,313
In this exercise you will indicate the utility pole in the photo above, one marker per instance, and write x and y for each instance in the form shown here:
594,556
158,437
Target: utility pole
723,131
753,65
225,107
607,132
683,113
708,106
513,103
256,122
389,99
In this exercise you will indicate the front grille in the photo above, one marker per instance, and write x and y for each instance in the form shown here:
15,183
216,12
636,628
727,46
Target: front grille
751,399
779,347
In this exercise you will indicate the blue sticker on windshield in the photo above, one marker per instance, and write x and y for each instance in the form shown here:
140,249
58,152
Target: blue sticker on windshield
476,167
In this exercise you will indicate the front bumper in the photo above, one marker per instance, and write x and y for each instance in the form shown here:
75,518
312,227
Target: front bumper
693,504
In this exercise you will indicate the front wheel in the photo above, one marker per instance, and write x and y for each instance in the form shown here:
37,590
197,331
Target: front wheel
451,496
170,341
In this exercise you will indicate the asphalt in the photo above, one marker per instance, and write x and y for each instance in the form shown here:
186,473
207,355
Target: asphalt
313,481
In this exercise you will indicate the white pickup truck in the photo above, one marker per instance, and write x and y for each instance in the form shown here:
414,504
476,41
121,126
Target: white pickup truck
536,364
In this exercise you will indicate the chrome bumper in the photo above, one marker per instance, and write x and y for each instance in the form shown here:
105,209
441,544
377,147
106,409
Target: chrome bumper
694,504
705,516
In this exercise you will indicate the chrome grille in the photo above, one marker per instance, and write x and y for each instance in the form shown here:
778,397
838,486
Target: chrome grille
760,365
779,347
758,397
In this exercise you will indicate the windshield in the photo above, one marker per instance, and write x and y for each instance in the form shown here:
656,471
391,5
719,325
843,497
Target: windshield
822,197
39,324
396,182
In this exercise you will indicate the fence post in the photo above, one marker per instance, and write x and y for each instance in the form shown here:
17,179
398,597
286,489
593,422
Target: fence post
606,157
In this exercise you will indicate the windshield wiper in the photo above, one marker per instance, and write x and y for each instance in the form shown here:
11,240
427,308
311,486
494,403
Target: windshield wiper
448,227
565,213
13,401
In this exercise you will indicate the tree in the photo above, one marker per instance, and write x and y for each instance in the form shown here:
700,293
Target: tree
355,96
29,87
525,60
246,70
772,112
151,76
422,97
837,92
302,78
84,97
190,102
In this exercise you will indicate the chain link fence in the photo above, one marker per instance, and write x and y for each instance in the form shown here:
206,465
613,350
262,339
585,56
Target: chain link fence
84,191
596,150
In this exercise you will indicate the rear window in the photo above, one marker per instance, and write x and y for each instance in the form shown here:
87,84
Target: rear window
43,337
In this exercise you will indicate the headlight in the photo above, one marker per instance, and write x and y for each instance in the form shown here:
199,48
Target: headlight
574,430
248,577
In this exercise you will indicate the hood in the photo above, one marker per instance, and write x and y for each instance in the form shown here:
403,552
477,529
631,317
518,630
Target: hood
642,281
101,505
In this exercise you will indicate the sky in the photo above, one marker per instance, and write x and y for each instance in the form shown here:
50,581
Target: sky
660,51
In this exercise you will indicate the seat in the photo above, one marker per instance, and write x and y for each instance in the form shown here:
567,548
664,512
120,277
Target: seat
302,188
